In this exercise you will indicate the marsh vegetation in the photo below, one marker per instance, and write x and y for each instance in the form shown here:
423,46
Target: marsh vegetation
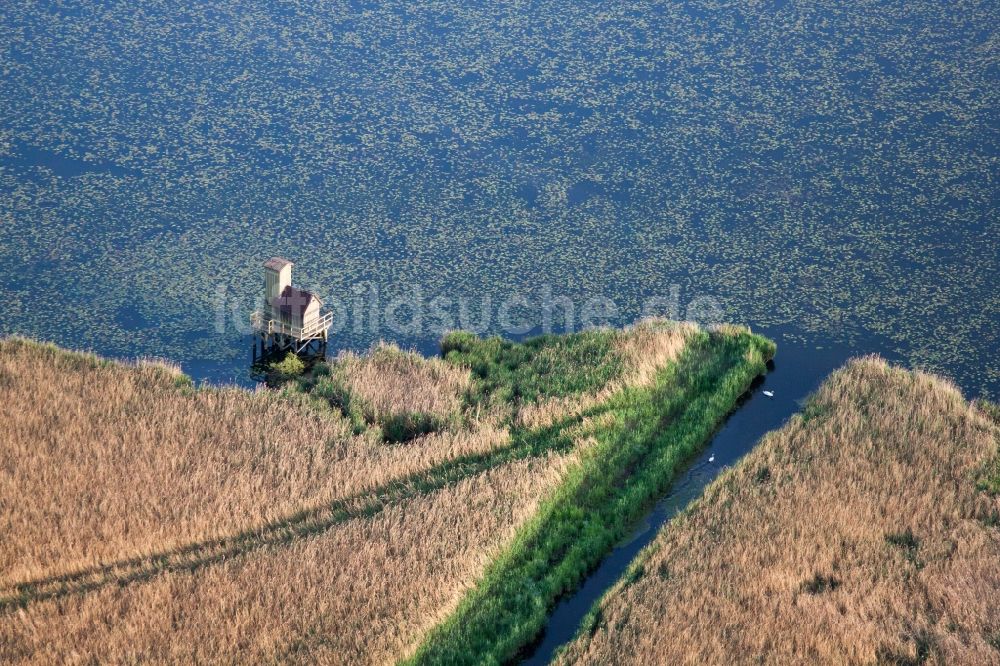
634,442
159,520
863,531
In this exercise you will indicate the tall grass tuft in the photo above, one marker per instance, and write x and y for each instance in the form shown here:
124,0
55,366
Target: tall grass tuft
401,393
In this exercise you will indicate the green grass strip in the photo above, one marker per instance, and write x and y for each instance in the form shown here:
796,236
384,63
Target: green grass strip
643,438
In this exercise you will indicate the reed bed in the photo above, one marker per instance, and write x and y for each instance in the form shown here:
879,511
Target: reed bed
101,461
149,520
388,383
362,592
861,532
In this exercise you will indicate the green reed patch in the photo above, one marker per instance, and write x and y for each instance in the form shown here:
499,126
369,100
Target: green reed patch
547,366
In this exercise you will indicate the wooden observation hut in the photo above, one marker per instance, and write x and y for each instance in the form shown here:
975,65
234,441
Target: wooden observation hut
291,318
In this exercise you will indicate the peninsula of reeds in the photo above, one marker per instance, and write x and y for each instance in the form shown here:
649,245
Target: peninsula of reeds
380,507
866,530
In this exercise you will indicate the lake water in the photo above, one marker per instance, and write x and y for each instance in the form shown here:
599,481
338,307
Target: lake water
825,170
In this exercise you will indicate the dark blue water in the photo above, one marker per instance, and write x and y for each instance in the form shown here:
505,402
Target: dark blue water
822,167
30,161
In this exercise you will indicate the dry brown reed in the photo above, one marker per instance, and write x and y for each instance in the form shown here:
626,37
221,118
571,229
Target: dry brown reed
392,382
114,462
364,591
854,534
102,461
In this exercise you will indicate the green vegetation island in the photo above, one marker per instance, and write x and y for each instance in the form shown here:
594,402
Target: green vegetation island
389,507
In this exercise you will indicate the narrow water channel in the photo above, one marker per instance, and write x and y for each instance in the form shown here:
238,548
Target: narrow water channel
797,371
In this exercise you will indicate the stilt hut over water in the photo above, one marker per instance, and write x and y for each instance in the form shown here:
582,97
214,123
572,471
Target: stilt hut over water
290,318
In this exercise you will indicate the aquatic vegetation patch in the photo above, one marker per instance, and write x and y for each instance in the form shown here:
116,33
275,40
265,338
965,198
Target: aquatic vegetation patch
290,367
820,167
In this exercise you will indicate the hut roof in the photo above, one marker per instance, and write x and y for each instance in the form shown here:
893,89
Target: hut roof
277,263
294,302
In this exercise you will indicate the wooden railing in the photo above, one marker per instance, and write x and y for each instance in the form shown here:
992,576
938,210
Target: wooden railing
261,322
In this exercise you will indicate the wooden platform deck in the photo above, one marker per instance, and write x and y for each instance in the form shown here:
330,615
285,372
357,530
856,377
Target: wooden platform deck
275,333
